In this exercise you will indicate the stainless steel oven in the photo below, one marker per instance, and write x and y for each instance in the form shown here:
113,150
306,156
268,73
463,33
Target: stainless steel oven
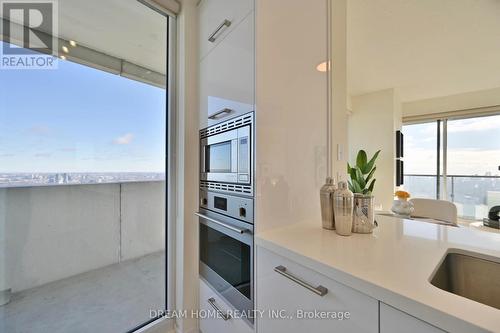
226,156
226,257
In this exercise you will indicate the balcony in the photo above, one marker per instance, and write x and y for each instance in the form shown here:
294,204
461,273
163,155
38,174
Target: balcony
473,195
82,258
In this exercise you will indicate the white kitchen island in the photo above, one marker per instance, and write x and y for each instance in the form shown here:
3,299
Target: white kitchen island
382,278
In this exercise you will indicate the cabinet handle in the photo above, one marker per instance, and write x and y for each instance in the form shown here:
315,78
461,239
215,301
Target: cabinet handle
224,316
218,113
319,290
225,23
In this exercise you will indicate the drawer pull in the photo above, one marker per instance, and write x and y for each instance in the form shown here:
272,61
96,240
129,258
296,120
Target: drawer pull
225,23
224,316
319,290
216,115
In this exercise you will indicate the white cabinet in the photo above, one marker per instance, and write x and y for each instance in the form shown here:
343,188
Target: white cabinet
395,321
212,13
227,75
277,292
210,322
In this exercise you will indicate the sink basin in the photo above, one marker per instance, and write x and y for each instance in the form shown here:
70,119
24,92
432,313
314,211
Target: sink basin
470,275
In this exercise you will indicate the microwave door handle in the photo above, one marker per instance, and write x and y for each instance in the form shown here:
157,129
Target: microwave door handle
234,155
222,224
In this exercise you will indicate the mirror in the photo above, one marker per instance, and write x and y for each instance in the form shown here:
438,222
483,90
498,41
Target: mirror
430,69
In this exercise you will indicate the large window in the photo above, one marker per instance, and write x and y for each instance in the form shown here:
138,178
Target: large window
79,125
82,176
456,160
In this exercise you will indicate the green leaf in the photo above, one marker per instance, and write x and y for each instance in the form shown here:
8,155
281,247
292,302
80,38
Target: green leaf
370,175
351,171
356,187
351,188
361,159
359,178
372,184
371,163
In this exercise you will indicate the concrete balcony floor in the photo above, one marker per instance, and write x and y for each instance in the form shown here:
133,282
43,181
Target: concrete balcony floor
112,299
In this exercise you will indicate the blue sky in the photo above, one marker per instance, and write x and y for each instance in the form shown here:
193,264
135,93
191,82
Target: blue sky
473,147
79,119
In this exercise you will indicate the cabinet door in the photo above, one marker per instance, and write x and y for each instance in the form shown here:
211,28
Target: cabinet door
212,13
276,292
209,323
393,321
227,75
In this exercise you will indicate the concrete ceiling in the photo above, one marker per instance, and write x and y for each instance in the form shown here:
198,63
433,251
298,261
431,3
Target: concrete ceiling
425,48
125,29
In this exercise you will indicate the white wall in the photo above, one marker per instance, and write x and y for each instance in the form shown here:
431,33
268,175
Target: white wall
290,111
340,144
53,232
464,101
375,118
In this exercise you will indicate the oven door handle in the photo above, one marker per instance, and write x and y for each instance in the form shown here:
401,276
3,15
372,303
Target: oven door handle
222,224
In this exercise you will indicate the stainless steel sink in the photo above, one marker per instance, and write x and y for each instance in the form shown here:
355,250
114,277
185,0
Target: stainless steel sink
470,275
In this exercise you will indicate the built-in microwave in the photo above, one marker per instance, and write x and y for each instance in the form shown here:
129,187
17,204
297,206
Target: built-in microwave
226,156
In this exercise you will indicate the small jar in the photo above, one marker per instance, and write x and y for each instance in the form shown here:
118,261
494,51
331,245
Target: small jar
343,209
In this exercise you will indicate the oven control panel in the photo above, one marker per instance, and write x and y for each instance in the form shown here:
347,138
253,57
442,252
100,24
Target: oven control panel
237,207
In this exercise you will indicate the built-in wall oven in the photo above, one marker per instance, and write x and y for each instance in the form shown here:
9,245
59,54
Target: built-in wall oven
226,247
226,156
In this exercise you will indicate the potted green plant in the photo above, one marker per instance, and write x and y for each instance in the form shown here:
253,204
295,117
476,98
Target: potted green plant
362,183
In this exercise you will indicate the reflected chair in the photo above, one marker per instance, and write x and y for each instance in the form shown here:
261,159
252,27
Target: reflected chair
441,210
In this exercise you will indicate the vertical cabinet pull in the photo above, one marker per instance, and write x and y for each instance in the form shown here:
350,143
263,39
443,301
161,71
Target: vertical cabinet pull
225,23
319,290
224,316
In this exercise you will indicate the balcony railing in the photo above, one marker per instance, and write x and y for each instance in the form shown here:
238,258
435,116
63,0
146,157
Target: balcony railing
472,194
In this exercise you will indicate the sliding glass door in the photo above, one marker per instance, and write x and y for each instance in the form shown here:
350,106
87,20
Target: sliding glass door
83,159
456,160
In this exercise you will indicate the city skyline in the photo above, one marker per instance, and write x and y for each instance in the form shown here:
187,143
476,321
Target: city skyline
44,179
79,119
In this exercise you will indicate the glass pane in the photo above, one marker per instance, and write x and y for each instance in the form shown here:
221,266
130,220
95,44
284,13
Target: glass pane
420,158
222,254
219,157
82,182
473,162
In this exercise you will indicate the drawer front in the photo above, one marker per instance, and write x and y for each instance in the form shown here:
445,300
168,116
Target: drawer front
227,76
212,13
277,292
212,324
392,320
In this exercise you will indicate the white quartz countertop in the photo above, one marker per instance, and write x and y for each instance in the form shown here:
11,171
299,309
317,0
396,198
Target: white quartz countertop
394,265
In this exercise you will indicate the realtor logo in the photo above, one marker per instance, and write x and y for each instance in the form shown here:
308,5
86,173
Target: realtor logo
29,34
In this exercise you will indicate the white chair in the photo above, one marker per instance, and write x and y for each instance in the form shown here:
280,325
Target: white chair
441,210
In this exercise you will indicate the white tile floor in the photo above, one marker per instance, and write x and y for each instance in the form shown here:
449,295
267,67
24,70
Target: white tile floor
112,299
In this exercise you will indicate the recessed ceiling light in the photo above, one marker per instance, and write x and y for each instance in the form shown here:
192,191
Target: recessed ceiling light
323,67
65,49
72,43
